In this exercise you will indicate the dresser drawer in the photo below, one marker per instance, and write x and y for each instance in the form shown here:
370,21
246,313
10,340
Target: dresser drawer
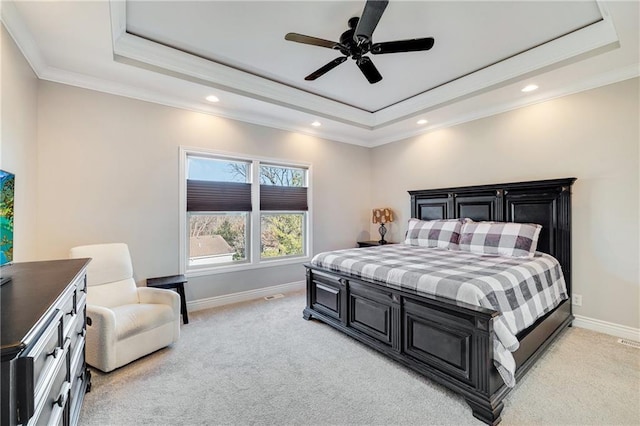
53,406
68,307
81,287
78,387
77,331
46,354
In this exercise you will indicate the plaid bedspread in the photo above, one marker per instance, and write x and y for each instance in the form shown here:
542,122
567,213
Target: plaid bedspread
521,289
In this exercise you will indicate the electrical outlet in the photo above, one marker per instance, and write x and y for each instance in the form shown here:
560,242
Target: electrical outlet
576,300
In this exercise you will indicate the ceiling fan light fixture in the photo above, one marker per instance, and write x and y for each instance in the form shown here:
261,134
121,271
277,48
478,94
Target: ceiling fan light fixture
422,121
316,124
212,98
357,42
529,88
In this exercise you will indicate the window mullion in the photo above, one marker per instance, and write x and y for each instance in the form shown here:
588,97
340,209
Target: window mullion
254,242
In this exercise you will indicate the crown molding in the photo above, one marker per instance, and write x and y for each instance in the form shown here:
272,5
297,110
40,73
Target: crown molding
22,37
100,85
579,44
137,51
57,75
612,77
145,54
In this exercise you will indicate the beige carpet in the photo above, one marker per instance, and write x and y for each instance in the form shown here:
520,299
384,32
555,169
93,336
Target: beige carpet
260,363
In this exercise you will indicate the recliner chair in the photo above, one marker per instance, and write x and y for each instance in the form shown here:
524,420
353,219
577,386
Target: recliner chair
124,322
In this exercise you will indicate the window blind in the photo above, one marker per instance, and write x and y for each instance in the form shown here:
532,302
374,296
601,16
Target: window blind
207,196
283,198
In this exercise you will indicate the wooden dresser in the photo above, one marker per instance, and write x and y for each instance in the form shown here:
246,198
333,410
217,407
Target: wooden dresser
43,327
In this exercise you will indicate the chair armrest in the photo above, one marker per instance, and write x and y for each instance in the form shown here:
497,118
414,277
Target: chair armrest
160,296
102,319
101,337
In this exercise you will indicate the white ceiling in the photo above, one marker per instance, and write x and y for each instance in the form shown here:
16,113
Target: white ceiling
178,52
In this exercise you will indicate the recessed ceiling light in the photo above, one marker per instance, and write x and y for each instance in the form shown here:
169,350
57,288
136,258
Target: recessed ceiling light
423,121
530,88
212,98
316,124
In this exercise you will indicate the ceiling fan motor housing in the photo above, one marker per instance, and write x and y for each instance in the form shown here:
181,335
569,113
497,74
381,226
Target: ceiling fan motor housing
350,45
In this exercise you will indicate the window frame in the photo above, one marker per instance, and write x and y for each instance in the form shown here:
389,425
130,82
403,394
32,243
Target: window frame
255,260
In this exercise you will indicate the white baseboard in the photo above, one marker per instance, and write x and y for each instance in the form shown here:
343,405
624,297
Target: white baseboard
243,296
605,327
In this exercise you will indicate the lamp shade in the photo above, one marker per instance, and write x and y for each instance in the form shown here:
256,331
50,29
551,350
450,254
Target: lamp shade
382,215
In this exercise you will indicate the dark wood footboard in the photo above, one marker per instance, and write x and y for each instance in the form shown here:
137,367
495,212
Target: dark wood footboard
444,340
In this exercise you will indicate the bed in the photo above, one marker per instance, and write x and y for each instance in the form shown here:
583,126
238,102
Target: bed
447,340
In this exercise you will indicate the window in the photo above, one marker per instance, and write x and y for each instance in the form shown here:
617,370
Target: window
232,219
218,206
283,203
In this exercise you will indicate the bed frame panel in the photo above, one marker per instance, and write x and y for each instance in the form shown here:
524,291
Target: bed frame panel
442,339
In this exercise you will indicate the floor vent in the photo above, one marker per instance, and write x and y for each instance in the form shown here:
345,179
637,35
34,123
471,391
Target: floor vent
275,296
628,342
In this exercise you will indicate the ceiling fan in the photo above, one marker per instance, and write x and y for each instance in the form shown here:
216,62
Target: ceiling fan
356,42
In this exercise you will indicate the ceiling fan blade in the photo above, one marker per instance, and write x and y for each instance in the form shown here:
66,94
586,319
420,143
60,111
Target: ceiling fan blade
314,41
325,69
369,70
371,15
412,45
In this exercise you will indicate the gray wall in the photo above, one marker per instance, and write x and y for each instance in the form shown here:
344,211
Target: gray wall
109,171
593,135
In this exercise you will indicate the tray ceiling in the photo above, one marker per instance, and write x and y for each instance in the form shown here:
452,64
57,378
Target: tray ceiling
470,36
177,52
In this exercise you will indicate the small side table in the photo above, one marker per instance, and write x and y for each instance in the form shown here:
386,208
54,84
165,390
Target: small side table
176,282
372,243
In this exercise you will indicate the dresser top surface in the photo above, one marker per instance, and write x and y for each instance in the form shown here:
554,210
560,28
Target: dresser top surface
33,289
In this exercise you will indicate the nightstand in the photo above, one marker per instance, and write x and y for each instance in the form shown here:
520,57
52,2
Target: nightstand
173,281
371,243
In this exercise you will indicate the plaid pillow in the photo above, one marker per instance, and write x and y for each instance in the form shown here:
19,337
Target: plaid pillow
434,233
500,238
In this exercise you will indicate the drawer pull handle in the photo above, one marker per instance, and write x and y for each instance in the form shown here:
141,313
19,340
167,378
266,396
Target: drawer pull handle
55,353
64,392
60,401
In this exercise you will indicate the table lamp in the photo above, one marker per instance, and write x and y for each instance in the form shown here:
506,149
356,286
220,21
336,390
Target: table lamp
382,216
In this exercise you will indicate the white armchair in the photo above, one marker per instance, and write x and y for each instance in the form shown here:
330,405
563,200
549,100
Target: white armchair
126,322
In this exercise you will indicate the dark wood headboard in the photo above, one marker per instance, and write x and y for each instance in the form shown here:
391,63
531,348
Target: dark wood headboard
546,202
